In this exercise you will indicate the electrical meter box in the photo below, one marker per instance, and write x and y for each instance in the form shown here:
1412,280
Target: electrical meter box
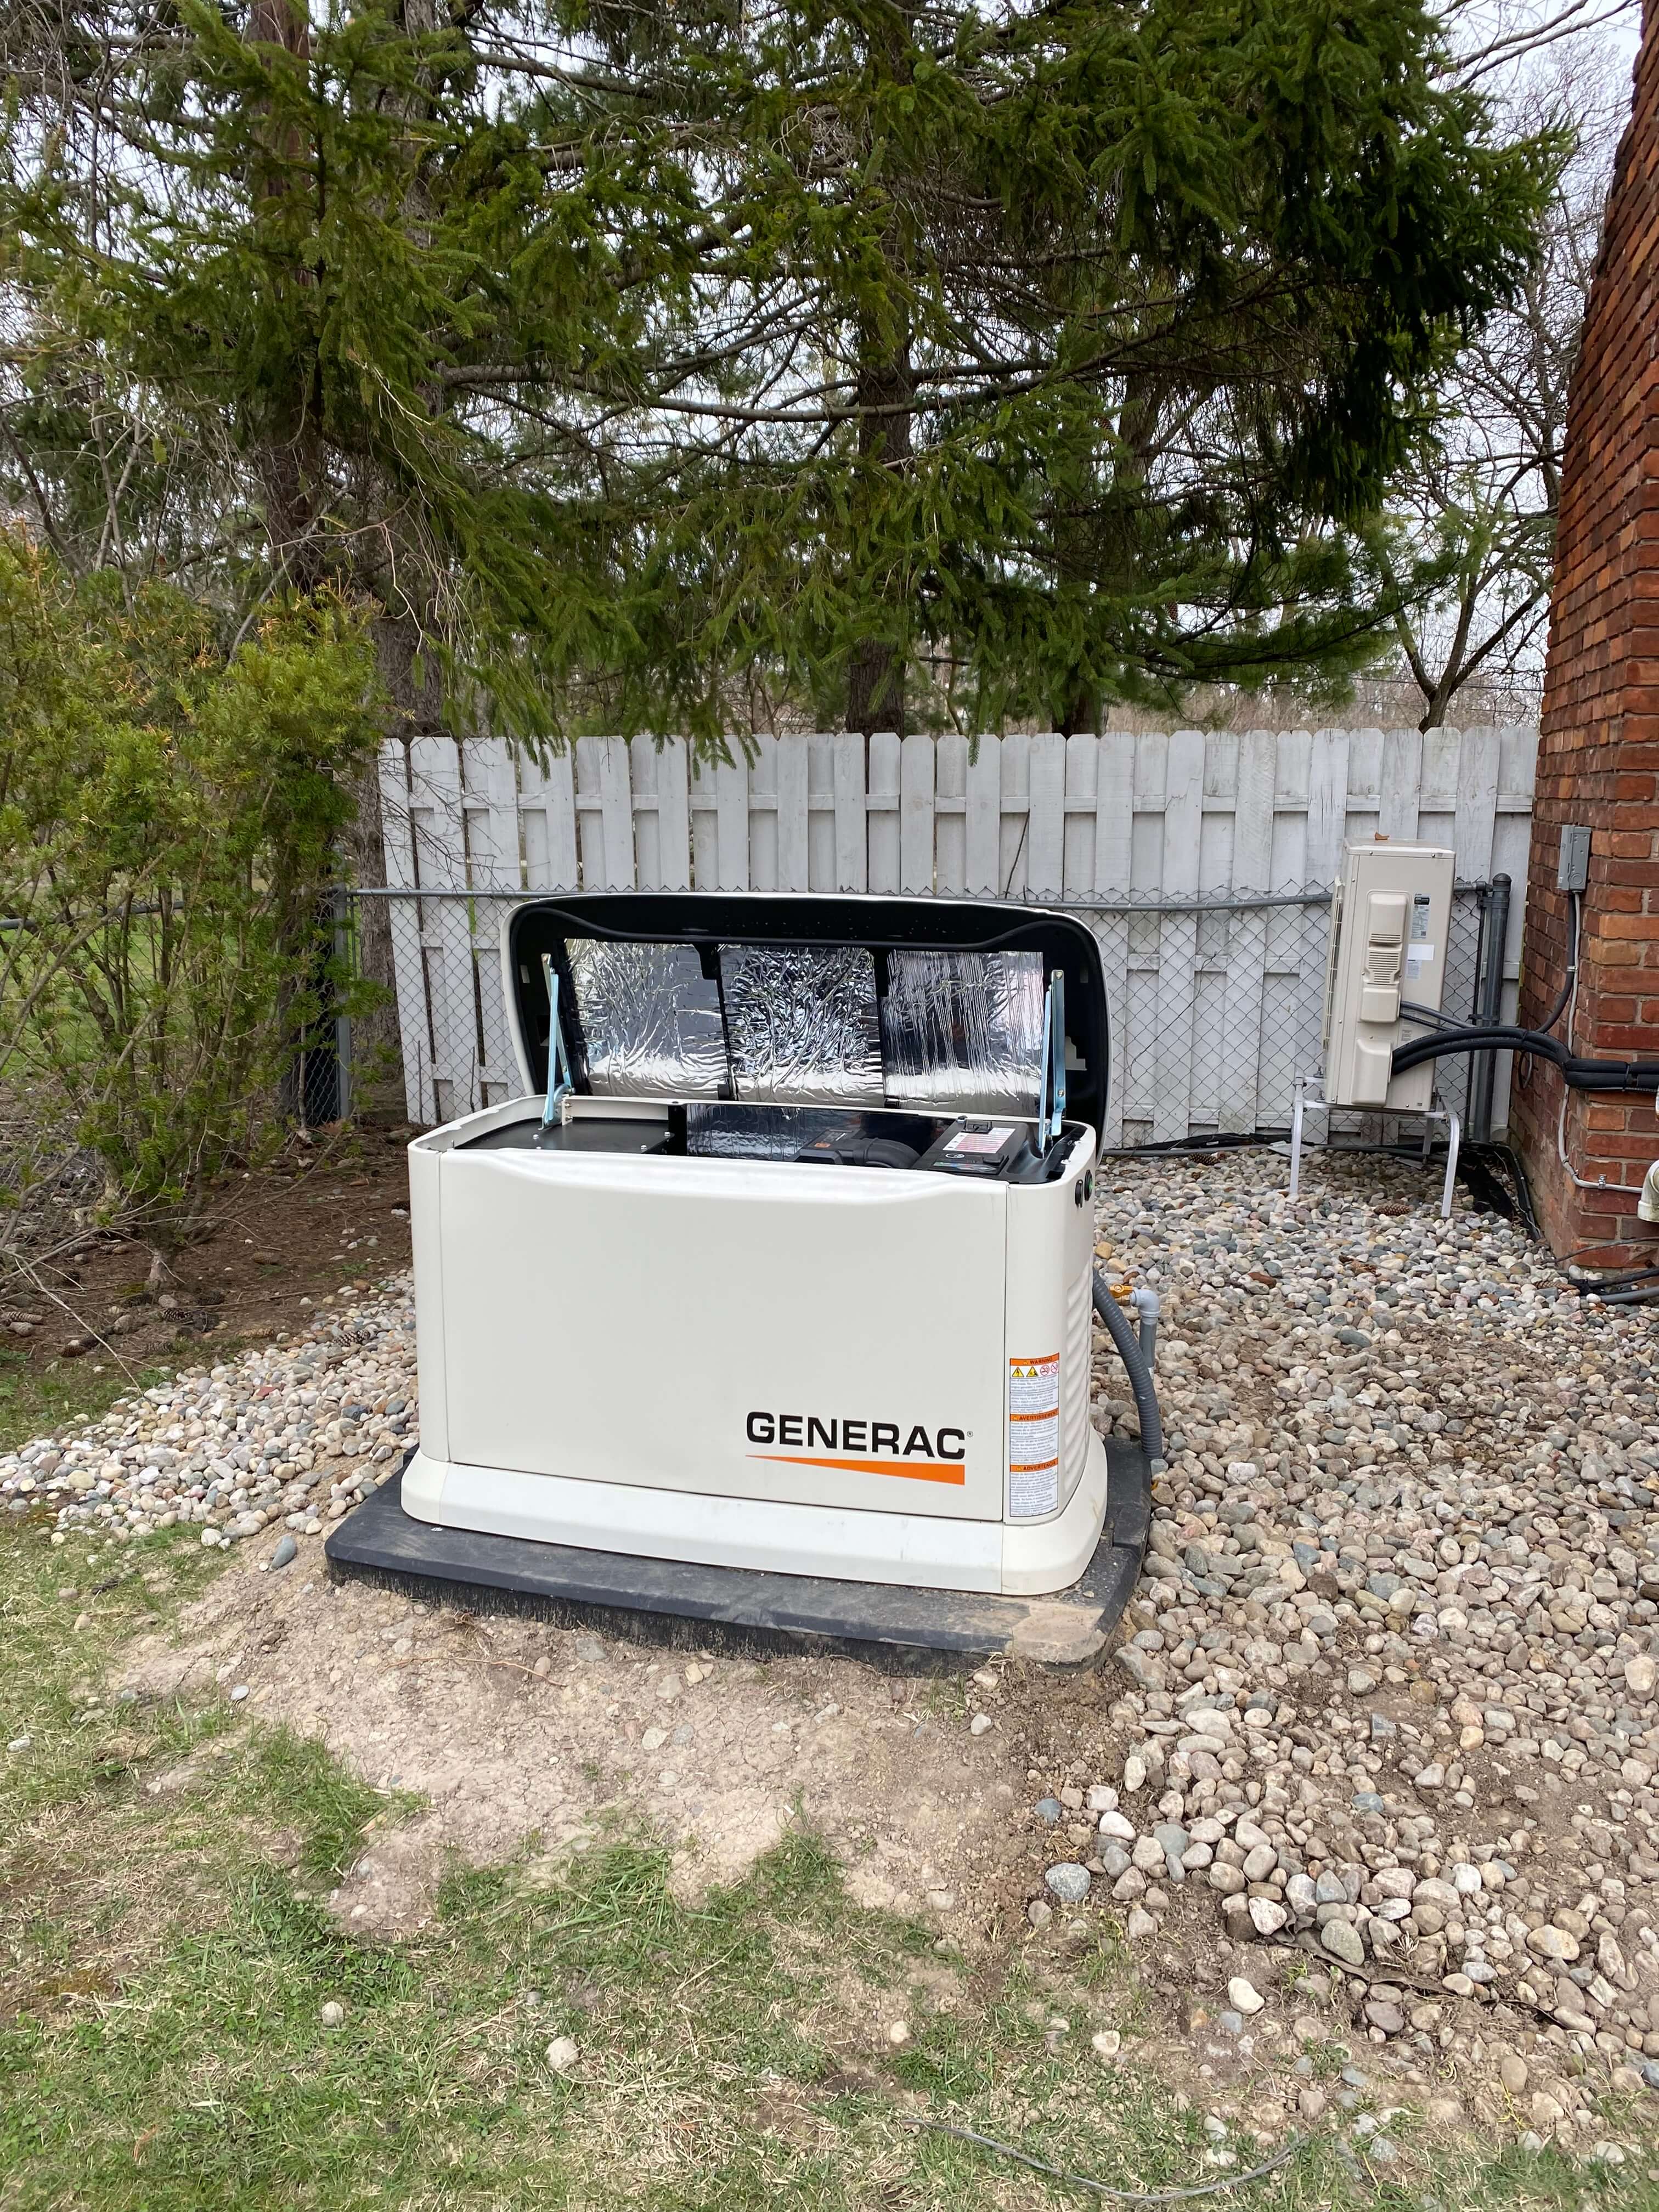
1390,917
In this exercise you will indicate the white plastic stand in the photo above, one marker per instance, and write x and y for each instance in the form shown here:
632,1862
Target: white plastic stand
1310,1091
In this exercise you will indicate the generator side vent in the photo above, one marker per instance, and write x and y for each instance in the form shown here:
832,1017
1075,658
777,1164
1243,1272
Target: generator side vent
1074,1379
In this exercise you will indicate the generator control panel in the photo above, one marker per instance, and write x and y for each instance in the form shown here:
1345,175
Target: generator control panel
985,1149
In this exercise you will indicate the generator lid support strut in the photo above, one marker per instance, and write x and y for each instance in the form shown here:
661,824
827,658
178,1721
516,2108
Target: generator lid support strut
559,1084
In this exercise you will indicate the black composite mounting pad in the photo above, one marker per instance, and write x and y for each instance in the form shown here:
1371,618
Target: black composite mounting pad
736,1608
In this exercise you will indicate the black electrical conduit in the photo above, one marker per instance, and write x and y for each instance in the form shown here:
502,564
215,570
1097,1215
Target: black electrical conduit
1118,1327
1577,1074
1631,1286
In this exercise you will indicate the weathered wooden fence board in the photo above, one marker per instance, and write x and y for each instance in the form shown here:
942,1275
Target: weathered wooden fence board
1214,1011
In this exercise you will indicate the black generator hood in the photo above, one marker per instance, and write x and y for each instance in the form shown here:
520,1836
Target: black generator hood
719,927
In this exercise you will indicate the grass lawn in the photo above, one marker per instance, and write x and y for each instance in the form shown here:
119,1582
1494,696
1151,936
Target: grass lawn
36,1401
166,1953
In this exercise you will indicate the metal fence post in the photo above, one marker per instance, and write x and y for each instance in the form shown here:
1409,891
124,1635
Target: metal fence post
1489,1006
342,1015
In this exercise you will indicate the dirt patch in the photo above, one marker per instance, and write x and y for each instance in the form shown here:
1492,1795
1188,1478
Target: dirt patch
327,1213
512,1729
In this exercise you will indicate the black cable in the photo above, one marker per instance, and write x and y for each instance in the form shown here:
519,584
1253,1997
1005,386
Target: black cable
1621,1278
1218,1140
1519,1177
1464,1036
1577,1074
1632,1274
1485,1187
1560,1005
1494,1037
1617,1282
1134,1364
1508,1160
1013,865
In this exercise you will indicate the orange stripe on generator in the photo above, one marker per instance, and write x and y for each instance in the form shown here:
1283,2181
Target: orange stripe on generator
922,1471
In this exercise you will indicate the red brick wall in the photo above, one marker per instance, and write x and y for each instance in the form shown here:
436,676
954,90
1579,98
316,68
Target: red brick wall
1598,760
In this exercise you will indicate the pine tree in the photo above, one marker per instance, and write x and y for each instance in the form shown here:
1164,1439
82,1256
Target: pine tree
1068,344
623,355
254,262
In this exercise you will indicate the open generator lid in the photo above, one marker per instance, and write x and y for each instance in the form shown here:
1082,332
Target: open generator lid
809,999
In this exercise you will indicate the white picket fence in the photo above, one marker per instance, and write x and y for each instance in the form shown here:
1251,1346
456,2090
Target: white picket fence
1151,834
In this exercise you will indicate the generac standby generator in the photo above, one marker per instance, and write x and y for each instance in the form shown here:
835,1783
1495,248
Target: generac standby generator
785,1262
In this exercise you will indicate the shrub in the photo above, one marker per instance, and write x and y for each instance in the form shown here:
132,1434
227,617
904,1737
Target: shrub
168,813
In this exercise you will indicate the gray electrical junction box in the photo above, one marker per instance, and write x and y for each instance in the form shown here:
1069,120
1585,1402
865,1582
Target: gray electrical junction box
1572,870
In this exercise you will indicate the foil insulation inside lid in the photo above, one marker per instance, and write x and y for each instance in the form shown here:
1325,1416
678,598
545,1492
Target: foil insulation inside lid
802,1024
650,1019
918,1006
962,1032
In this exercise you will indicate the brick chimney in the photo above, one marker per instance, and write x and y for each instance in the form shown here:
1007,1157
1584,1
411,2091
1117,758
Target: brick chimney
1598,758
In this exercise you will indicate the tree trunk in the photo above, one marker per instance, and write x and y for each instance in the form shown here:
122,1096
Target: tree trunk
875,688
1082,714
415,692
886,396
290,460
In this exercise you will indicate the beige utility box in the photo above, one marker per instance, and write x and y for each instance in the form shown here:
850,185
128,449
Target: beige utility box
1390,916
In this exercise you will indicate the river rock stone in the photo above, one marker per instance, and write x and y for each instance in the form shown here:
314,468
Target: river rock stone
1069,1883
1549,1943
1343,1940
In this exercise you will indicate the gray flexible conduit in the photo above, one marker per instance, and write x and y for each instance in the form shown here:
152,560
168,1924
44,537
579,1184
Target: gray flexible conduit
1117,1327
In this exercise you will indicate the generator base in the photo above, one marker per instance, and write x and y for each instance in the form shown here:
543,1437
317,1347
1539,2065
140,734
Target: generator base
738,1609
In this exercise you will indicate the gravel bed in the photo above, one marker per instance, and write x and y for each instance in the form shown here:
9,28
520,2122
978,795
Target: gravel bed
290,1436
1391,1706
1388,1711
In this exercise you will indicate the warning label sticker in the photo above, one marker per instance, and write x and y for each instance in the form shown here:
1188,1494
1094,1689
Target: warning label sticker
1034,1435
1418,958
980,1140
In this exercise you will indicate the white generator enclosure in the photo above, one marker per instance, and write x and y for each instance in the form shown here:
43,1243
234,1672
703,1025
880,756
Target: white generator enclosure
1390,917
785,1261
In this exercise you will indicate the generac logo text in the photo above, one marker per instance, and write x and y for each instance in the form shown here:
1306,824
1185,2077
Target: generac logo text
808,1432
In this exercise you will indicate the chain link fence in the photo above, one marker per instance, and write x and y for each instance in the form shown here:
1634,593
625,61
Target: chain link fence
1216,1006
1216,1009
